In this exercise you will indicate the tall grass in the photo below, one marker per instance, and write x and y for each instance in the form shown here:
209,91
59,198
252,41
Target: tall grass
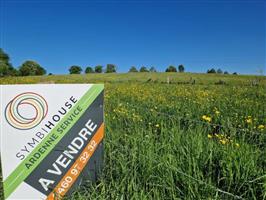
158,145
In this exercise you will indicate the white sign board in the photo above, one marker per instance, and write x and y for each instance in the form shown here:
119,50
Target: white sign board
49,135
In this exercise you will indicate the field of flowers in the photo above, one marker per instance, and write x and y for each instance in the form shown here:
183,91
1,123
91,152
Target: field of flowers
172,136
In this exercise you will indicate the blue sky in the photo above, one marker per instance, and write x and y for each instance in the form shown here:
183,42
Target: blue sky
198,34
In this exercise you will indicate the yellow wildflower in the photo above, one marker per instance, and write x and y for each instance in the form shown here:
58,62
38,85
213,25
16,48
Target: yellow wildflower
206,118
249,120
237,145
223,141
157,125
217,112
209,136
261,127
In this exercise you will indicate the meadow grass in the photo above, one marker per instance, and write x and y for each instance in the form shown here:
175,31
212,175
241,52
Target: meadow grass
202,139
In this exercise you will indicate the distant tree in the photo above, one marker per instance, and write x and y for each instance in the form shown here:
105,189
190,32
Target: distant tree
143,69
6,69
40,71
3,69
219,71
50,74
4,56
152,69
171,68
98,69
12,71
89,70
181,68
226,72
110,68
211,71
74,69
133,69
235,73
31,68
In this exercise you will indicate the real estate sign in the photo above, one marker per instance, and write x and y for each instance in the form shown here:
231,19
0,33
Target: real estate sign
51,138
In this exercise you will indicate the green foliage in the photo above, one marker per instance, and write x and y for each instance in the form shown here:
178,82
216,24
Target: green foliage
181,68
177,141
219,71
28,68
4,56
133,69
3,69
75,69
235,73
89,70
98,69
152,69
158,145
171,68
6,69
184,78
143,69
211,71
110,68
226,72
31,68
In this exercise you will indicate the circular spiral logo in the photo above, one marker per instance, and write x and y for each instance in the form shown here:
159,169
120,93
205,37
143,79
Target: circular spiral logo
26,110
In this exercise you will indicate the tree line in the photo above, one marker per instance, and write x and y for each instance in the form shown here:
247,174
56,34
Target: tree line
28,68
171,68
218,71
32,68
111,68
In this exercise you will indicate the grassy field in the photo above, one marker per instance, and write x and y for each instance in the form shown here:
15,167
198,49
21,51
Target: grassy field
178,136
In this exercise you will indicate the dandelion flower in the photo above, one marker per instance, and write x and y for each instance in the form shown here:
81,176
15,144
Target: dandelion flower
249,120
237,145
209,136
206,118
223,142
261,127
157,125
